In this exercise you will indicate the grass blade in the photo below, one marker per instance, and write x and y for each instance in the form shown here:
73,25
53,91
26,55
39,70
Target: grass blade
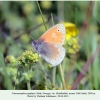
6,76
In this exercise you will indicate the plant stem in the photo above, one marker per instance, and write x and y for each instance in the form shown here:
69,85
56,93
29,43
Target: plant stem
43,72
54,68
86,21
60,9
16,80
62,76
53,78
86,67
76,16
28,85
41,15
8,81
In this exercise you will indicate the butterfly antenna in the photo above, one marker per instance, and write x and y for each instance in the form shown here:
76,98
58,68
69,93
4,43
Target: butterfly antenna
57,18
31,37
52,19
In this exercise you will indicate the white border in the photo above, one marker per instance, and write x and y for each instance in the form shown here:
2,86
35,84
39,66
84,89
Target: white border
69,94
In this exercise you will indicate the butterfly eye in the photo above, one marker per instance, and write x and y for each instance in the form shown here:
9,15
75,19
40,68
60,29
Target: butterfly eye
36,48
40,43
58,30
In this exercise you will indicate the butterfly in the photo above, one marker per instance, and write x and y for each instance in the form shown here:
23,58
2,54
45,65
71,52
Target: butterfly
49,45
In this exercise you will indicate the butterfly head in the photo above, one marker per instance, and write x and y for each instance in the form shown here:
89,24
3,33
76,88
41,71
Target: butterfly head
36,45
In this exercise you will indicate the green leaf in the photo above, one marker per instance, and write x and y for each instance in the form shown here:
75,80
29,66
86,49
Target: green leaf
6,76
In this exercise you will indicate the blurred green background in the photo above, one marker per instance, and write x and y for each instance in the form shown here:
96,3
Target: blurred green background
16,17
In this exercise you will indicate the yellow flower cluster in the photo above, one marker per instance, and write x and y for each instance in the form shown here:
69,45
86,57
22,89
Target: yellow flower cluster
71,30
28,58
73,46
71,38
10,59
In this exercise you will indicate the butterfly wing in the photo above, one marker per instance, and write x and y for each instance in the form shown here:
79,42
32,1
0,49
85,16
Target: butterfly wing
52,53
56,34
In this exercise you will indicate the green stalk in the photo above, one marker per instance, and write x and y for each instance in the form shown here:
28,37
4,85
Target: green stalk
62,76
28,81
28,85
54,76
16,80
54,68
44,74
41,15
76,16
8,82
15,86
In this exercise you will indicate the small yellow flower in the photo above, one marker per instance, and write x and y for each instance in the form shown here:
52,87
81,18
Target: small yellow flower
71,30
72,45
10,59
28,58
71,41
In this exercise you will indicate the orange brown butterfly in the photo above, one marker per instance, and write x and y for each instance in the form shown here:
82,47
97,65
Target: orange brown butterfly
49,45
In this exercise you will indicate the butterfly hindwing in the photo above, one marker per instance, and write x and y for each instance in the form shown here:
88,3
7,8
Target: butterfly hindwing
52,53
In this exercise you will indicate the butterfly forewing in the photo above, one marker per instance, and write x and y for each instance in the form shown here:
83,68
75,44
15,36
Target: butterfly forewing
56,34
